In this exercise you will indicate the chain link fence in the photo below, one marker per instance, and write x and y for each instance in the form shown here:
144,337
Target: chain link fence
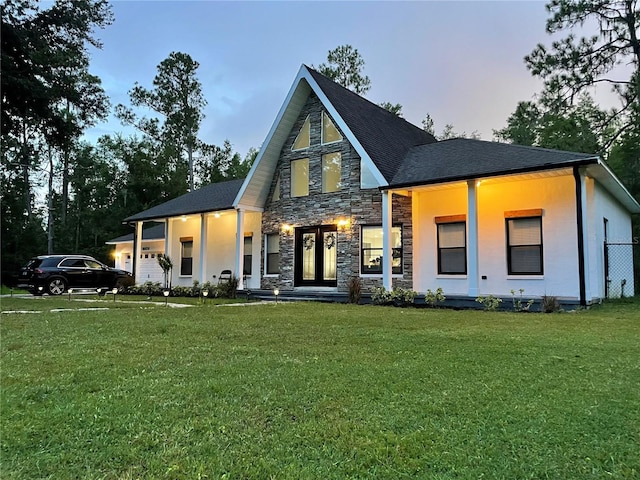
622,269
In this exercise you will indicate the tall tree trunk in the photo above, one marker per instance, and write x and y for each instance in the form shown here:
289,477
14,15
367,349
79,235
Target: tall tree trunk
77,246
190,155
65,180
50,205
25,172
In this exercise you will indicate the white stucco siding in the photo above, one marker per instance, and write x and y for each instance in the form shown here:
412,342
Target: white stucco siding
602,205
427,205
555,195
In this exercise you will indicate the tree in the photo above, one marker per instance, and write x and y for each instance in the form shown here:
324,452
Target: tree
574,65
344,66
393,108
177,96
447,132
48,98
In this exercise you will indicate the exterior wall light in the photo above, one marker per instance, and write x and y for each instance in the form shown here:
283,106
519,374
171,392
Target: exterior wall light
287,229
343,224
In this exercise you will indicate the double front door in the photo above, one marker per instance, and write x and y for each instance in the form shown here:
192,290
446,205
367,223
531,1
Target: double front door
316,256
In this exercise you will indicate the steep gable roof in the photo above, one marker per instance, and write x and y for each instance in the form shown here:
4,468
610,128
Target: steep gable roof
385,136
210,198
380,138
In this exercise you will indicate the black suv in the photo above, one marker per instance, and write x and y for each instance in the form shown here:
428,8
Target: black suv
54,274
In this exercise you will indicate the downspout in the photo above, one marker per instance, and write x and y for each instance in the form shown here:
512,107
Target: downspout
580,230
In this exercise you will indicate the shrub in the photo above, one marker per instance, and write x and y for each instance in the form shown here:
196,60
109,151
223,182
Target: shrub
355,289
151,289
518,305
489,303
381,296
433,298
228,289
402,297
550,304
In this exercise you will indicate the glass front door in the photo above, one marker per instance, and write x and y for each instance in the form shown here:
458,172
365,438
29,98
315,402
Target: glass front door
316,256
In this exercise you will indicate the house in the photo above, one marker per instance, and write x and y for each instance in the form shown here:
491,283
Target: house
152,245
342,188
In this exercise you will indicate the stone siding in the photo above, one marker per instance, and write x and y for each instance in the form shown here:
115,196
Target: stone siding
359,207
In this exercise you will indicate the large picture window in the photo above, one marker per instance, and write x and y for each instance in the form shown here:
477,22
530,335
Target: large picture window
300,177
186,256
272,254
331,170
452,248
524,246
371,249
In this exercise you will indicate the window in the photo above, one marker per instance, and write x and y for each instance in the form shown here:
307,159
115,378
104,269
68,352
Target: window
371,254
273,253
186,256
330,133
302,140
331,172
524,246
452,248
248,242
300,177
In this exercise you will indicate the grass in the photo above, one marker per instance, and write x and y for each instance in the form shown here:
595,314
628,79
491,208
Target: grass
313,390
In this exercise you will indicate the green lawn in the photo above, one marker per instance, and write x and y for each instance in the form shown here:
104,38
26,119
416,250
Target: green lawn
318,391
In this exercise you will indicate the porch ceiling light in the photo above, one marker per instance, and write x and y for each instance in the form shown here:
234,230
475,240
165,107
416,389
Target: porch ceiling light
183,218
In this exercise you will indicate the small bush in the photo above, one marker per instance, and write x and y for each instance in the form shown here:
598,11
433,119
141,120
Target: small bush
489,303
228,289
150,289
402,297
518,304
355,289
381,296
433,298
550,304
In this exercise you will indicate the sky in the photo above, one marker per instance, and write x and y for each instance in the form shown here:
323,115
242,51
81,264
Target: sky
459,61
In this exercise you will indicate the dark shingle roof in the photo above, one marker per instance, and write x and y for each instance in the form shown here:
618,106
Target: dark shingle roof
462,158
152,233
216,196
385,137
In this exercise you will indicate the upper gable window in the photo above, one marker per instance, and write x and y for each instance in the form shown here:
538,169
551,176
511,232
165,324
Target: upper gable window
303,139
330,133
300,177
331,172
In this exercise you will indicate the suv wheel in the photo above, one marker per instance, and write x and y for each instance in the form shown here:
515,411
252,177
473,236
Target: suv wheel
56,286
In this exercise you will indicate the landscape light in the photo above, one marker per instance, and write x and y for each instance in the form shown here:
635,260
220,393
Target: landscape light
70,292
276,292
114,291
166,296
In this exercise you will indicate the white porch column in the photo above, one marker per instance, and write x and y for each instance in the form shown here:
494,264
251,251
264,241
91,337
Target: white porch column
168,231
203,247
138,252
239,268
472,238
387,252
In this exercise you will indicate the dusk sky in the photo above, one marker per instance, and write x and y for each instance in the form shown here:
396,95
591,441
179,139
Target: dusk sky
461,62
